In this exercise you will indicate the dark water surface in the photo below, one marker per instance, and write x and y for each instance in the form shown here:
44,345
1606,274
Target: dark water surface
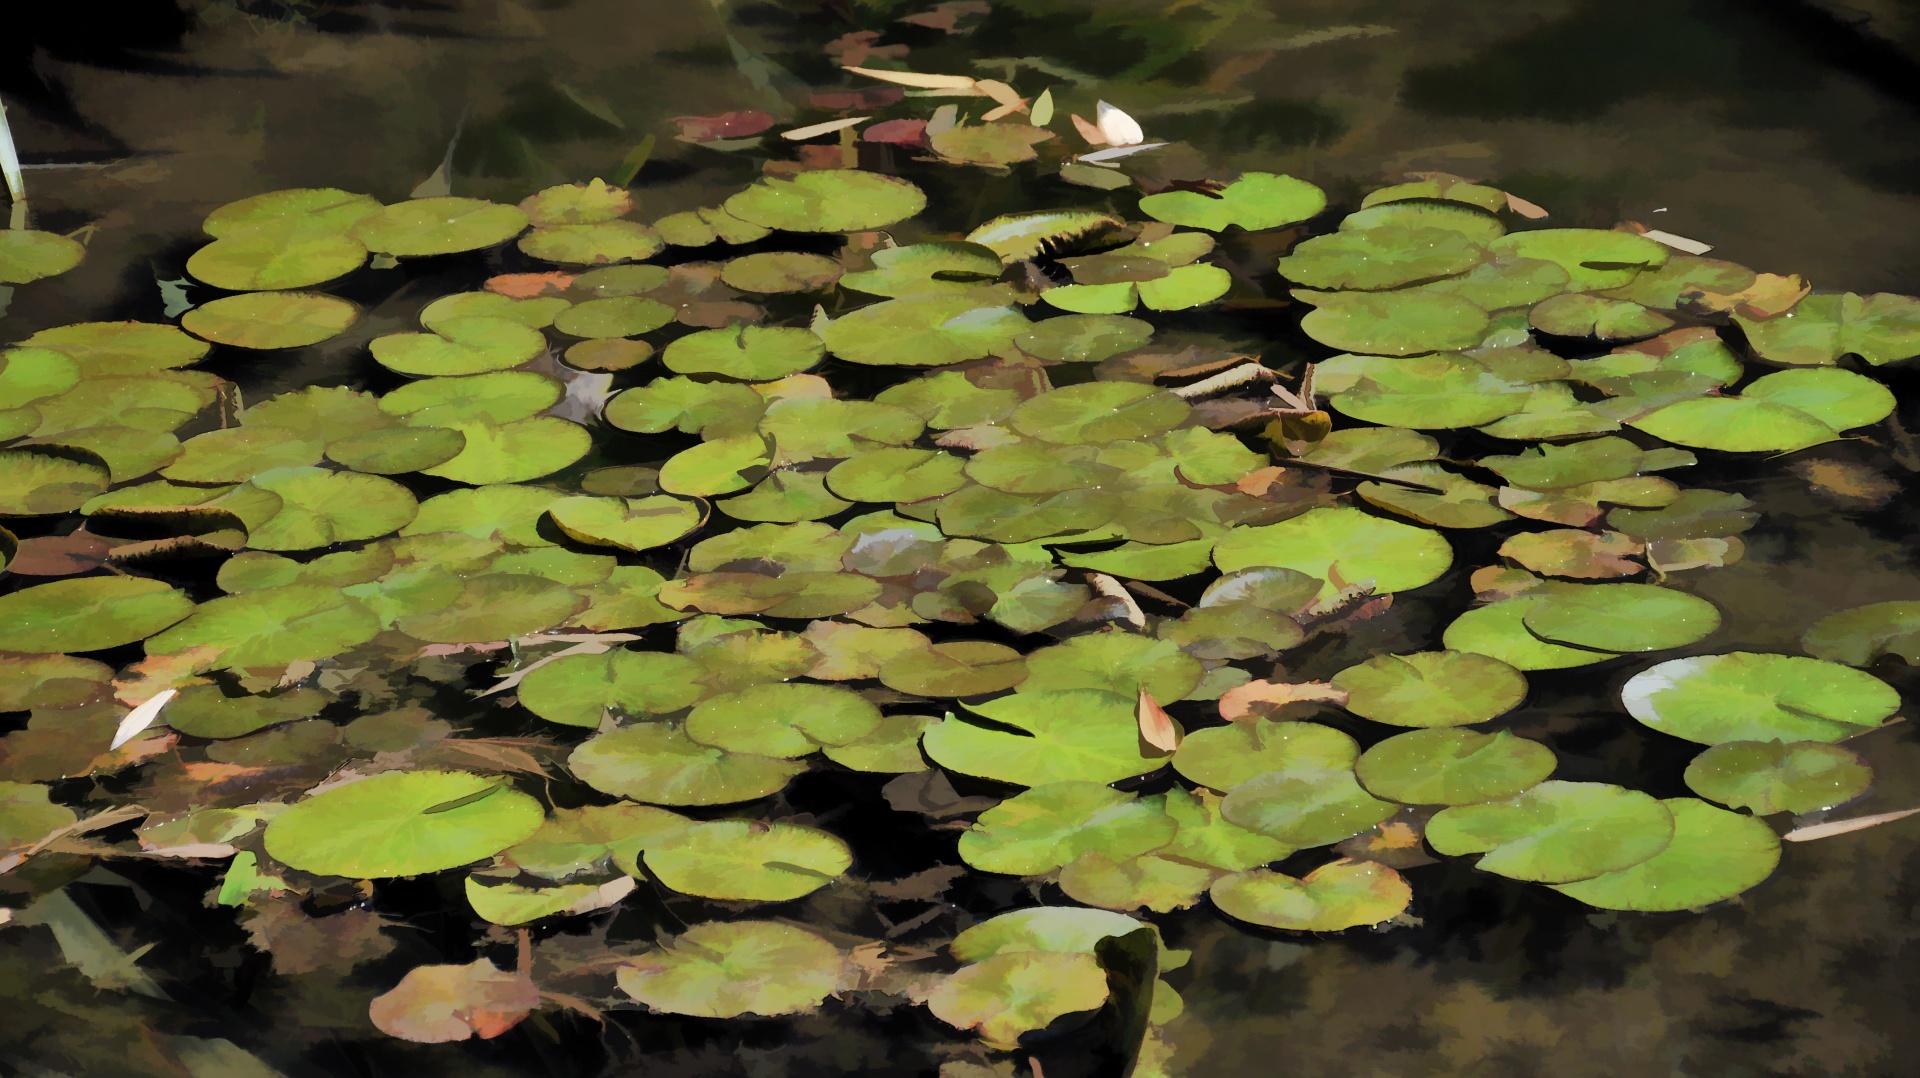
1765,128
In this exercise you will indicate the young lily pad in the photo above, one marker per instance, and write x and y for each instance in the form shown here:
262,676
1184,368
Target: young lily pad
749,353
1772,776
272,626
275,255
1859,636
727,970
88,613
1255,201
626,523
922,331
1819,330
1453,767
832,200
658,764
1347,543
1380,258
460,346
1594,258
782,271
749,861
1394,323
403,823
785,720
1003,997
438,226
579,690
1048,826
271,320
1432,688
515,452
1123,663
1747,696
1078,734
1621,617
1556,832
957,668
1714,855
1337,896
27,255
1305,804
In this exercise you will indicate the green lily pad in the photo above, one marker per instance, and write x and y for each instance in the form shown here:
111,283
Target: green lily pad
1432,688
1014,236
1819,330
1305,804
626,523
54,681
1394,323
499,606
207,711
1500,631
1142,561
404,823
271,320
1772,776
41,482
1331,898
235,454
320,508
26,816
1431,392
1085,338
31,374
922,331
1748,696
1041,929
1003,997
508,513
129,452
497,397
1453,767
897,475
1255,201
1556,832
88,613
1347,543
27,255
990,144
1184,287
1099,412
272,626
1621,617
1714,855
749,861
397,450
575,841
516,904
119,348
535,313
741,967
579,690
956,668
438,226
659,764
1735,425
1859,636
1840,399
515,452
1504,282
615,316
1595,460
460,346
785,496
1380,258
1462,503
272,255
1157,883
832,200
596,244
1594,258
925,269
1122,663
1044,828
715,409
782,271
1072,735
577,204
785,720
892,749
716,467
1579,315
749,353
326,209
1668,286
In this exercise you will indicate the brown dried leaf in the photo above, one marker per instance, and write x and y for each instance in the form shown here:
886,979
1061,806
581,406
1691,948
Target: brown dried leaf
1271,699
436,1004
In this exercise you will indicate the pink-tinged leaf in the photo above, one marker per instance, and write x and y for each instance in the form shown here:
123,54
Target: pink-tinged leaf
1524,208
1845,827
1090,132
897,133
436,1004
1260,699
726,125
1156,726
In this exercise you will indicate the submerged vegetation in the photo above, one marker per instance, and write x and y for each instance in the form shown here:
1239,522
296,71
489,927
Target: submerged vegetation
637,580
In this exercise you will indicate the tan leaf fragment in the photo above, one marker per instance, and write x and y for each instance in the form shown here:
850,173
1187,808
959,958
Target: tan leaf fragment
1524,208
1156,726
1843,827
1265,699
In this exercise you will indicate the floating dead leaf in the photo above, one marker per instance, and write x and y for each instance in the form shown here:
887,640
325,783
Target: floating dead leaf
1570,552
1395,843
1277,700
929,885
529,285
931,793
301,943
826,127
436,1004
1493,583
1769,295
1524,208
918,80
1089,131
1156,726
1845,827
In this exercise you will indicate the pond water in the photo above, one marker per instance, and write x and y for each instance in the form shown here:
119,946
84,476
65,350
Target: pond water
1773,131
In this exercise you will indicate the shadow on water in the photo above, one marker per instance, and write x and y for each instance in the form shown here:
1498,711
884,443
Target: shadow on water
1773,129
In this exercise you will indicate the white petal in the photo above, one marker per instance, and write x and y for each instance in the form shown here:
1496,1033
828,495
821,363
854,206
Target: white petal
1120,128
140,718
1098,156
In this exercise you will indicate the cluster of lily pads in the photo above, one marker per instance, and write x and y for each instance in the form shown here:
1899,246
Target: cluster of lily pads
704,582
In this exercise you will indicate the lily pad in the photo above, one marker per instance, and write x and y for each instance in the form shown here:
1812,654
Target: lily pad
785,720
271,255
1003,997
596,244
515,452
1255,201
326,209
626,523
1099,412
320,508
88,614
897,475
1394,323
658,764
1305,805
1749,696
1714,855
1380,258
832,200
749,353
579,690
27,255
1840,399
1126,664
1621,617
956,668
1337,896
1044,828
272,626
1859,636
926,269
615,316
922,331
438,226
1071,735
1579,315
1338,542
1087,338
781,271
749,861
1432,688
1499,630
1772,776
41,482
1223,757
1735,425
1594,258
582,840
1556,832
471,345
1881,328
1431,392
1453,767
271,320
741,967
402,824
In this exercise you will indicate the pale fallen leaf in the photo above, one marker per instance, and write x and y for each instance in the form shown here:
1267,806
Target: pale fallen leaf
824,128
1117,152
1678,243
1119,128
1002,112
436,1004
1001,92
140,718
1524,208
1156,726
605,895
1042,112
1843,827
1088,131
917,80
1258,699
